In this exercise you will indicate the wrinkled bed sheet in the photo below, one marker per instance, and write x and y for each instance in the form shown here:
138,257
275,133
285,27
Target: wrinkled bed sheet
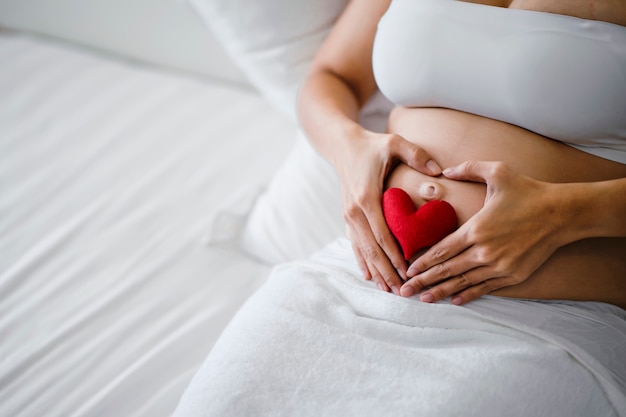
317,339
121,188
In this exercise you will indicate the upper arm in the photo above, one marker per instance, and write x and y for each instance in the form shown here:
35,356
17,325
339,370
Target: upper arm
347,51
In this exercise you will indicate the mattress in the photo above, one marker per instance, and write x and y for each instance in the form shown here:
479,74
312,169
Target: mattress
122,191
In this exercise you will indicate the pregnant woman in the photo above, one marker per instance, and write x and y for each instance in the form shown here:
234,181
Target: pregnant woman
540,90
517,118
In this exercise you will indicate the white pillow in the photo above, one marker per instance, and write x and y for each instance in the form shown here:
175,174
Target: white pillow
272,41
300,212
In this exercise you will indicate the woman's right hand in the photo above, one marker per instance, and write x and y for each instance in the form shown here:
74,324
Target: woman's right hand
362,163
339,83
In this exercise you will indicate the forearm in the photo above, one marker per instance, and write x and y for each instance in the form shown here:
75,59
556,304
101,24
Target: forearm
597,209
590,263
341,80
328,111
586,270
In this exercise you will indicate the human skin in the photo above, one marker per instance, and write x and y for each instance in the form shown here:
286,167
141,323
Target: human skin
589,269
339,84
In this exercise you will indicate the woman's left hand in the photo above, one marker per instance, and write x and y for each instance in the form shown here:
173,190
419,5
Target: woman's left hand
520,225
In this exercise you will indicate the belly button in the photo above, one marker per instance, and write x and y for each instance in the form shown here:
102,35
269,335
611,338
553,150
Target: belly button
431,191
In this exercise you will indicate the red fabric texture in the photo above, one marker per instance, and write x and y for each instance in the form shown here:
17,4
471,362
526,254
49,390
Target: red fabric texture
416,228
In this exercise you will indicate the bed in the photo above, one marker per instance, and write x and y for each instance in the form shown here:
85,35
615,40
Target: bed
152,176
125,177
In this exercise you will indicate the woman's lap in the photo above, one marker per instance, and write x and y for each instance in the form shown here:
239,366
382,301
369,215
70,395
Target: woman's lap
317,339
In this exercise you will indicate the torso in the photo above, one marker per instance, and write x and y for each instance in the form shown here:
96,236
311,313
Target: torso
559,76
593,269
463,143
586,270
453,137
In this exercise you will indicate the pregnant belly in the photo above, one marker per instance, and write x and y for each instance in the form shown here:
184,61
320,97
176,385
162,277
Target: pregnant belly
453,137
591,269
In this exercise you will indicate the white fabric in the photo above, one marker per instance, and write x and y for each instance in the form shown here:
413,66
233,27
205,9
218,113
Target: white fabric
162,32
300,212
120,191
316,339
560,76
272,41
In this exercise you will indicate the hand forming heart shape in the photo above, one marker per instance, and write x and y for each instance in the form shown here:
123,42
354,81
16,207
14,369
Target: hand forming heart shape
417,228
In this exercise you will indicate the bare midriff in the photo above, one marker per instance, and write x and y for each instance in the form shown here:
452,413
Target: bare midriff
591,269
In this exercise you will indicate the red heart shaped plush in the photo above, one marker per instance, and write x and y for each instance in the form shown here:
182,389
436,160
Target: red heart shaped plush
417,228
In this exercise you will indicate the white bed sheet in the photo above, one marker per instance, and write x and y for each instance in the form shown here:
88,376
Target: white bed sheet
121,189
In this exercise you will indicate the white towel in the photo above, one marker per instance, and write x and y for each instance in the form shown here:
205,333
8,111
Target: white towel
318,340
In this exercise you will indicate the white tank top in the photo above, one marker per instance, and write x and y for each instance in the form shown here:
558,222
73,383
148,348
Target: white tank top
560,76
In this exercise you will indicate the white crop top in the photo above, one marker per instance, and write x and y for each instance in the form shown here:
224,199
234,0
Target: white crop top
560,76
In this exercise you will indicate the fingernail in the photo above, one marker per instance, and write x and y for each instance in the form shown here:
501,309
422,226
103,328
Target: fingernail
427,298
381,286
401,274
395,290
433,167
411,272
447,171
457,301
406,291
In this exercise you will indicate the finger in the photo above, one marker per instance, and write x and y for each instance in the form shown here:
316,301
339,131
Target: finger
476,171
360,260
444,250
413,155
480,289
373,273
378,279
390,261
438,274
453,285
352,234
376,245
381,269
372,255
387,241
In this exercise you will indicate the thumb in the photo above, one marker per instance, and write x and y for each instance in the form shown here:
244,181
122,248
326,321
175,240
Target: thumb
415,156
475,171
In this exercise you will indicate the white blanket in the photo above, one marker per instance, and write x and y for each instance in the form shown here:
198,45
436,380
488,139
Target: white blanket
316,339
